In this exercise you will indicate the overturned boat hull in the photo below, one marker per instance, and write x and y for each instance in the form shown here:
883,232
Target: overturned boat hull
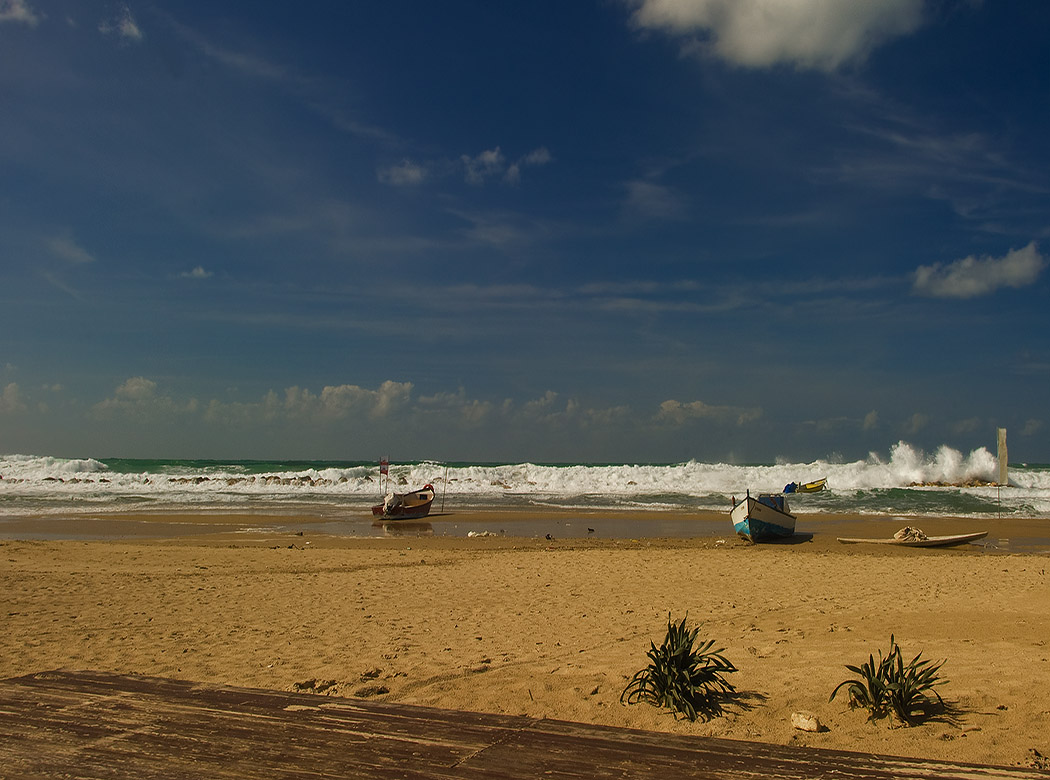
928,541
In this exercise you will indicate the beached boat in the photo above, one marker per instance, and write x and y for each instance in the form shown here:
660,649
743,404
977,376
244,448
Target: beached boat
913,537
763,518
405,506
807,487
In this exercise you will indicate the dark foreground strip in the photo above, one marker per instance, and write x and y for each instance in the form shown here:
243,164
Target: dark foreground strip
99,725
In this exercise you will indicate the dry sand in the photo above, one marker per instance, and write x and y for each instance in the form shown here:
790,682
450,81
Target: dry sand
555,628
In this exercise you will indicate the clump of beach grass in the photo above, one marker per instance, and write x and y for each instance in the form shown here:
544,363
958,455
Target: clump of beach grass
683,675
893,687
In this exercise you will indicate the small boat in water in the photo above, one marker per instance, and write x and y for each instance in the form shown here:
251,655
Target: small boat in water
807,487
405,506
763,518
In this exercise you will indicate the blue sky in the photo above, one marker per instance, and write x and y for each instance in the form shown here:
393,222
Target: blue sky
601,230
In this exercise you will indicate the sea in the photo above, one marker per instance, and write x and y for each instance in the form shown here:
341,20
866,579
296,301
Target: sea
904,481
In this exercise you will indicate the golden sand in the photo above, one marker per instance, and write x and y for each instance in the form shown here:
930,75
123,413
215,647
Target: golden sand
555,628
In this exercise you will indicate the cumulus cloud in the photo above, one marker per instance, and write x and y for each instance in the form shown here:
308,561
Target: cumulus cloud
871,420
18,11
678,413
807,34
467,411
336,402
122,25
406,174
197,273
975,276
138,388
137,398
11,399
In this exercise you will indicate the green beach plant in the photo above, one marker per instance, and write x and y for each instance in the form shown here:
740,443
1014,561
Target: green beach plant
906,690
685,676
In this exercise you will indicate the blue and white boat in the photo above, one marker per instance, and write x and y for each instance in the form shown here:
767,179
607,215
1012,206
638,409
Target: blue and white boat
763,518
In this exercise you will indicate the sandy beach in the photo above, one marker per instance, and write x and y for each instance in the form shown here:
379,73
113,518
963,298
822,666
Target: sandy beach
554,628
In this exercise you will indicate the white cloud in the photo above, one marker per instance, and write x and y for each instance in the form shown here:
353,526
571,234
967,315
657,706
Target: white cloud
678,412
18,11
138,399
138,388
197,273
871,420
540,156
343,401
489,163
123,24
406,174
457,406
808,34
975,276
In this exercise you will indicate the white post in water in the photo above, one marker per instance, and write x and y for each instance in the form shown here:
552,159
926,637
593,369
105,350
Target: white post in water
1004,477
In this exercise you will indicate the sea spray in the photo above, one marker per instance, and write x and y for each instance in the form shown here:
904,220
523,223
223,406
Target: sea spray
906,481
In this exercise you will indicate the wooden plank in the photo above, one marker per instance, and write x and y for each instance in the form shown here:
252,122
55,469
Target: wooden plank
97,725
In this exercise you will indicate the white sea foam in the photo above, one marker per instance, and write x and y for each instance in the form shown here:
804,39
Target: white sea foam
47,484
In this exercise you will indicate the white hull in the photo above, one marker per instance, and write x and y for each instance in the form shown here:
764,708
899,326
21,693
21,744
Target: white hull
756,520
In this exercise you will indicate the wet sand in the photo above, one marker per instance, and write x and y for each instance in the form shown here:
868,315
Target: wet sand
553,628
814,530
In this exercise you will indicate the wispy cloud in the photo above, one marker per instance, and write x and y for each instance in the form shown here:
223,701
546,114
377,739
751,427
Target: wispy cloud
242,62
807,34
539,156
650,200
404,174
122,25
911,152
320,95
492,163
476,169
67,249
972,276
485,165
